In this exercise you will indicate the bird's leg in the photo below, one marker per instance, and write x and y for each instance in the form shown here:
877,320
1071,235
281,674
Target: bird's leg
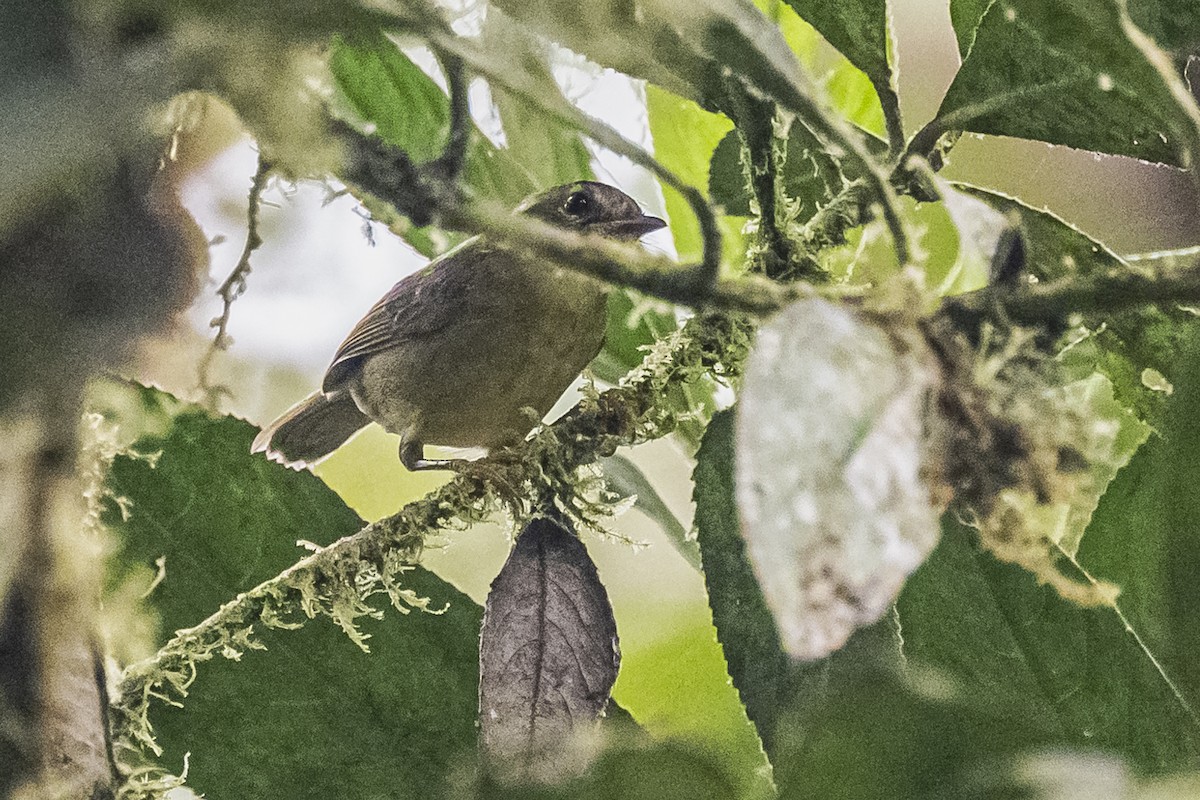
412,456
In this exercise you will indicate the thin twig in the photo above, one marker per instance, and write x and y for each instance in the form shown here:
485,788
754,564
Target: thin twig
233,286
623,264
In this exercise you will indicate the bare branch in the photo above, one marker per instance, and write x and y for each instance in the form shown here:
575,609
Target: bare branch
233,286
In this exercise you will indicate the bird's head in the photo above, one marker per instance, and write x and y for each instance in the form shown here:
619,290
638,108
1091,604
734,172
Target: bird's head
592,207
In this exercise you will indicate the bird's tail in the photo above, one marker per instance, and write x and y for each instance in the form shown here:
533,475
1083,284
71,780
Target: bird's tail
310,430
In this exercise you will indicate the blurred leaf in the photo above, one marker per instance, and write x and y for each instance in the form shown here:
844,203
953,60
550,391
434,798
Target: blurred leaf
760,670
549,151
1145,534
387,90
882,736
977,226
548,657
831,462
1120,345
659,771
1063,71
626,479
1072,775
690,54
312,715
649,47
1077,676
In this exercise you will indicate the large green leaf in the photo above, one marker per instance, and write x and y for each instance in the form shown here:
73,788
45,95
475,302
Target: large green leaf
965,16
1145,535
879,735
769,683
1064,72
762,673
313,715
653,771
1075,675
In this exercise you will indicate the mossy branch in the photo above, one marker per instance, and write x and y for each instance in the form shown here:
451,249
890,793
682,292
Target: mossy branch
339,580
1107,292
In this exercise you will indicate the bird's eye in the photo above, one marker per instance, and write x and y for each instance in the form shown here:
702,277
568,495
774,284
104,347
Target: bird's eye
577,204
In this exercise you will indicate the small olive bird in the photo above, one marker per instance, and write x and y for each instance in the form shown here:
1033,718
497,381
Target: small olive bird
457,353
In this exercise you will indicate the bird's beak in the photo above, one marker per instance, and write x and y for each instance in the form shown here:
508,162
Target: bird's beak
629,229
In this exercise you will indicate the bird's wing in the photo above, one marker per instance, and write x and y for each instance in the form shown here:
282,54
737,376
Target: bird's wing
420,305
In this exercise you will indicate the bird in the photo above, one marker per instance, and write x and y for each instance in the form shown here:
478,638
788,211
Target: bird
472,350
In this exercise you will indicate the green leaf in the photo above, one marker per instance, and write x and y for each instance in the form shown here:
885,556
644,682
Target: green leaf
769,683
312,715
685,136
1074,676
810,177
1064,72
1122,345
1145,535
965,16
858,28
659,771
386,90
761,671
848,89
880,735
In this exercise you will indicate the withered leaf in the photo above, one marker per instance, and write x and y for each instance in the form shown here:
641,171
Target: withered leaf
548,656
